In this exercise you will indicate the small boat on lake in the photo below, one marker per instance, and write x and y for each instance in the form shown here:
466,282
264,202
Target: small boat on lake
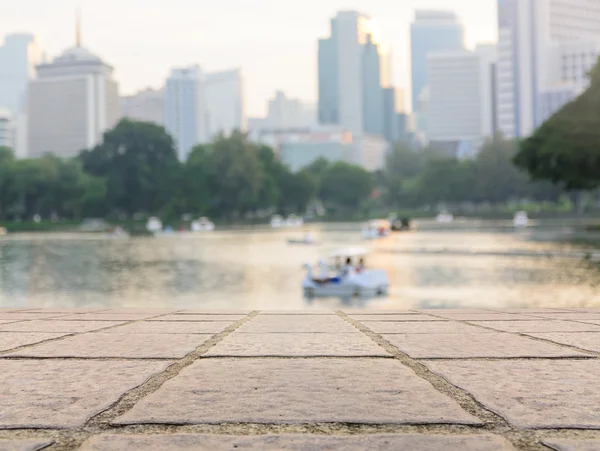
154,225
294,221
307,240
444,217
277,222
352,278
521,219
3,231
202,225
378,228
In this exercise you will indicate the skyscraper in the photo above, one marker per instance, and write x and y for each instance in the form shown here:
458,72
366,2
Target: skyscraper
354,66
73,100
531,34
224,103
185,108
146,105
431,31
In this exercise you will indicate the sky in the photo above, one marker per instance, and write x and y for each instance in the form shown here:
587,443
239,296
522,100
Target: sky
274,42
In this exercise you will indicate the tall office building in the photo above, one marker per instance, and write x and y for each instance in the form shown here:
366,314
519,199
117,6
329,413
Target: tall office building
354,67
185,108
146,105
431,31
224,103
7,130
18,57
462,92
530,35
72,102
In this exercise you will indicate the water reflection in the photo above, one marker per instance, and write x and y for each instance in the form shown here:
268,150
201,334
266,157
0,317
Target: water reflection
472,265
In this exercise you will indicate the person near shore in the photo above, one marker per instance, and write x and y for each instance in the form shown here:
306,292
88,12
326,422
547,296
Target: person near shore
361,266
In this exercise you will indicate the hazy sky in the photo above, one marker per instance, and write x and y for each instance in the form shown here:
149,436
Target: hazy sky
273,41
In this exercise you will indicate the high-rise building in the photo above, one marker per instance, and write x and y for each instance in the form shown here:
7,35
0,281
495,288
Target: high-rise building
72,102
146,106
393,105
18,57
431,31
224,103
530,35
185,108
354,67
7,130
462,94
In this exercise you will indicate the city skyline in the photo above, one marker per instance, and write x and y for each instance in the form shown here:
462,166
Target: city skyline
287,63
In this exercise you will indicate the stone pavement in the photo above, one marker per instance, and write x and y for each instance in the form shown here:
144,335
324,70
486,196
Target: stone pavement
346,380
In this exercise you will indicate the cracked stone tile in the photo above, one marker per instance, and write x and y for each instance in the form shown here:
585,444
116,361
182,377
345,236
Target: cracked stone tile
63,393
190,317
430,327
293,442
296,391
537,326
590,322
486,316
589,341
58,326
24,445
297,324
410,317
560,444
10,340
109,316
531,393
297,345
494,344
174,327
100,344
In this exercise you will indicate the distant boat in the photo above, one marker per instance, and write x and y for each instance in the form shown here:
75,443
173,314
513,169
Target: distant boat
307,240
294,221
202,225
378,228
154,225
277,222
444,217
3,231
521,219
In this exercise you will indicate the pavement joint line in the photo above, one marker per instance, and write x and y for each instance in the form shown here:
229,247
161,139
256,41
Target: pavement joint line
592,354
71,334
521,439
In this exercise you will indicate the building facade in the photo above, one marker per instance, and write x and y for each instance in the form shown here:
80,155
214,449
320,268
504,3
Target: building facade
531,33
431,31
185,113
146,106
7,129
72,102
354,67
462,97
224,103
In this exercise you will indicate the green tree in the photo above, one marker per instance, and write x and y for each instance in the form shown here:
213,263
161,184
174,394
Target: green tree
139,162
194,191
346,186
8,194
566,148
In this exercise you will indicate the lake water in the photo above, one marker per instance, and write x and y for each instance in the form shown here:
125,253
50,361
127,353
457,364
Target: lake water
465,264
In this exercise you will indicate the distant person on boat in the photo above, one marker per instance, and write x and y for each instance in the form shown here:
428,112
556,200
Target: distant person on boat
361,265
346,269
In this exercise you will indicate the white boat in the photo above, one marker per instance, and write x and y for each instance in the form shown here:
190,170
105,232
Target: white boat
350,280
202,225
294,221
154,225
521,219
3,231
377,229
444,217
307,240
277,222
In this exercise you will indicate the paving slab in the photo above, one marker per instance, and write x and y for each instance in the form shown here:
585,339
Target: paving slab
457,310
189,317
297,345
298,312
596,322
538,326
67,311
296,391
28,316
297,324
375,442
486,345
109,316
150,311
174,327
487,316
529,311
357,311
572,444
214,312
531,393
50,325
408,317
423,327
98,345
589,341
10,340
9,321
65,394
24,445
